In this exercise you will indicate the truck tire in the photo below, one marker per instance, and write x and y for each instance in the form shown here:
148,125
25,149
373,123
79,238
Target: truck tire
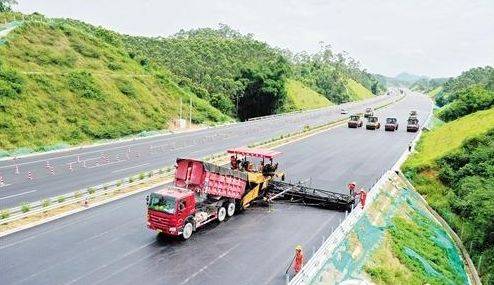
187,231
230,209
221,214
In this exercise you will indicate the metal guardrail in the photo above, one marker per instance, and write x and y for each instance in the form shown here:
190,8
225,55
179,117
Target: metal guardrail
28,209
310,270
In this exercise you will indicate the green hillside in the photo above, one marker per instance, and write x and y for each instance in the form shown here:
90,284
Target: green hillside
64,81
357,91
453,170
433,93
301,97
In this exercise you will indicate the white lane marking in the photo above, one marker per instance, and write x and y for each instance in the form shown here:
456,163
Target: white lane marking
4,185
15,195
163,137
105,164
135,166
209,264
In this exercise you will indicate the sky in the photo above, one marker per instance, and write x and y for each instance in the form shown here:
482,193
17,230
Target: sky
436,38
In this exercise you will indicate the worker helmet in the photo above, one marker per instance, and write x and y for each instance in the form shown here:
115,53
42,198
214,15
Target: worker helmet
298,247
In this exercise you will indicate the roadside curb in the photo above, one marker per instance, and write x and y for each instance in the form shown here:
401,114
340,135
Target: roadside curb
268,144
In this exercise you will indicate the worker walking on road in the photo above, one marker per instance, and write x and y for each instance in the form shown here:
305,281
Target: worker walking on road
298,260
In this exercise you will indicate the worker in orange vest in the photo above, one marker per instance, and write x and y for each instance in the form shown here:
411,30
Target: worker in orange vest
363,196
299,259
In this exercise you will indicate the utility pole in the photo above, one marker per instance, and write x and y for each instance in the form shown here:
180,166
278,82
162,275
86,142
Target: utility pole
190,112
180,109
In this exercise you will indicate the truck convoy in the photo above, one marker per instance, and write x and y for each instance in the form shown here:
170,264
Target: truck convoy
355,121
203,192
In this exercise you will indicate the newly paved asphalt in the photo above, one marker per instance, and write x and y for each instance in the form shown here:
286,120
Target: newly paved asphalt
111,245
117,160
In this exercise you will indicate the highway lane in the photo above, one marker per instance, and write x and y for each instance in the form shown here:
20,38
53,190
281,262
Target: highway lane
98,164
110,244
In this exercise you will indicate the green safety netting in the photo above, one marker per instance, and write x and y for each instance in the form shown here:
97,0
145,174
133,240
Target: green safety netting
343,266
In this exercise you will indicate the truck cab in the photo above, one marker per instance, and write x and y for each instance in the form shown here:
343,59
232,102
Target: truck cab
355,121
413,124
373,123
369,112
391,124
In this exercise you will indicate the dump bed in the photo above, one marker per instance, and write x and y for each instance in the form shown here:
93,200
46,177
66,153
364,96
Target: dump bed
208,178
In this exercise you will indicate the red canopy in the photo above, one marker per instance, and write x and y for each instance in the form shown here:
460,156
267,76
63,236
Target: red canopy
257,152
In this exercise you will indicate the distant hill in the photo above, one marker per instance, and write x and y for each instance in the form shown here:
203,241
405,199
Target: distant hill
301,97
408,77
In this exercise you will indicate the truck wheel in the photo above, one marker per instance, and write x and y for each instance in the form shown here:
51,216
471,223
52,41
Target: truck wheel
221,214
187,231
230,210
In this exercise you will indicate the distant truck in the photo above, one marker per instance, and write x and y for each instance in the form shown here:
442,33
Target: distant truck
373,123
369,112
204,192
413,124
413,114
391,124
355,121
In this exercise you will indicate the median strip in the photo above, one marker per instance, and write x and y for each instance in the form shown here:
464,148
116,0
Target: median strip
31,214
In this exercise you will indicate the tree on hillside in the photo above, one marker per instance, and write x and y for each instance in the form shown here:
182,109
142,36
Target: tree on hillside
264,92
5,5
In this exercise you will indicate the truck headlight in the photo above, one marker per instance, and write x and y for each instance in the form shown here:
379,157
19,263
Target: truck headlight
172,230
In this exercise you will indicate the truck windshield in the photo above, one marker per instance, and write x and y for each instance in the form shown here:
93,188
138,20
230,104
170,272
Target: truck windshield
390,120
354,118
372,119
162,203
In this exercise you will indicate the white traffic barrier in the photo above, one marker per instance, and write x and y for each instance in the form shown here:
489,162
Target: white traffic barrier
2,182
30,175
17,169
52,170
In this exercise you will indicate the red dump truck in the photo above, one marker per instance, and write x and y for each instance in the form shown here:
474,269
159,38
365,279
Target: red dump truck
205,192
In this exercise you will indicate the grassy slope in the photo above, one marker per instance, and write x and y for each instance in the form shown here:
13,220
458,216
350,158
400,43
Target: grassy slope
301,97
51,109
450,136
435,91
357,91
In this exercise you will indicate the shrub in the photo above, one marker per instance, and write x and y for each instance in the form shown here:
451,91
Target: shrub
85,50
131,179
114,66
4,214
91,190
45,203
25,207
82,83
77,194
119,183
141,176
126,88
150,174
61,199
11,83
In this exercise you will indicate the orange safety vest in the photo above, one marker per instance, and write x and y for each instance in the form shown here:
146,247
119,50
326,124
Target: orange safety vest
299,261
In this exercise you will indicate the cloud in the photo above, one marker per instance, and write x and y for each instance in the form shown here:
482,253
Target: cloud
436,38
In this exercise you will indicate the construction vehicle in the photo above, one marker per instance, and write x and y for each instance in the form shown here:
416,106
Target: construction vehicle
355,121
203,192
369,112
373,123
391,124
343,111
413,124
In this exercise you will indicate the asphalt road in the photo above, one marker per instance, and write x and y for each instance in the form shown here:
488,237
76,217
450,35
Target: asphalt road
111,245
58,173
